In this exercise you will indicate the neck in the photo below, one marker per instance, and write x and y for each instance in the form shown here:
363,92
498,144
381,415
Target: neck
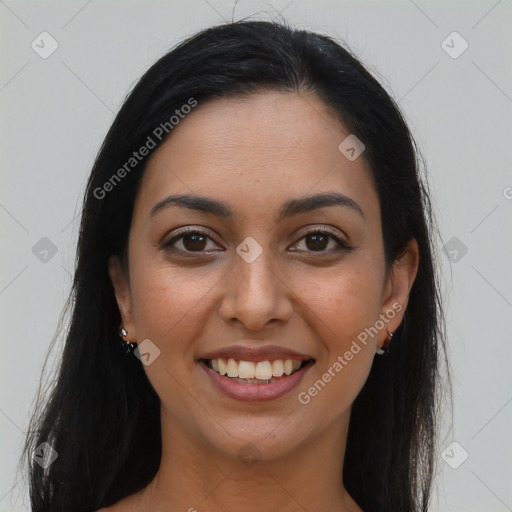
198,477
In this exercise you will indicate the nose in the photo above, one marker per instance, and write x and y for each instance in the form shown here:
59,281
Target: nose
256,293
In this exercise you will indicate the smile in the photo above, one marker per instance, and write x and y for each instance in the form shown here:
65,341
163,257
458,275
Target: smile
255,380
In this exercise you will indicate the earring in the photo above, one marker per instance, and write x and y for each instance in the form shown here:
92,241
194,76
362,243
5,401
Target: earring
385,345
127,346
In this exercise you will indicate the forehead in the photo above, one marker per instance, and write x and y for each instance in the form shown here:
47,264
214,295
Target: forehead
254,150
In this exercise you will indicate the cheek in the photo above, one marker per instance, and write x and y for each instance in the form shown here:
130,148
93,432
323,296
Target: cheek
167,303
343,305
340,374
168,306
344,301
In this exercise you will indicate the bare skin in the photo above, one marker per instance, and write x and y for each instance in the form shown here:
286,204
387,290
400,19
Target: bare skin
253,154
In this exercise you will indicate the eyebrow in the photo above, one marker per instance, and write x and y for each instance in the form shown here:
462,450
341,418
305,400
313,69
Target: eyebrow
288,209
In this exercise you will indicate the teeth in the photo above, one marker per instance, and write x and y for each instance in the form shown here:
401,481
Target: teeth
232,368
261,370
246,370
277,368
222,365
288,367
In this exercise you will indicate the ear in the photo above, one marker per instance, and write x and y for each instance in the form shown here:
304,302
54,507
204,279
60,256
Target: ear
398,287
123,297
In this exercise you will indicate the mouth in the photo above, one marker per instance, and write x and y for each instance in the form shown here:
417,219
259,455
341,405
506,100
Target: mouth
259,372
255,380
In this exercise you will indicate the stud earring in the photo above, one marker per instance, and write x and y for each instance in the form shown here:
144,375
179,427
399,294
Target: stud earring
126,345
385,345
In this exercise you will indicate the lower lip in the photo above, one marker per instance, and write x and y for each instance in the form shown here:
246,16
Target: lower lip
255,392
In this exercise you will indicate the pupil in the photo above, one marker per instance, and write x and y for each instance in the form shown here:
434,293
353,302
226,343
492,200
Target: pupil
196,244
317,246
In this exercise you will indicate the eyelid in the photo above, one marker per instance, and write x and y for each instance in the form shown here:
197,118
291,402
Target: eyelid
324,229
186,230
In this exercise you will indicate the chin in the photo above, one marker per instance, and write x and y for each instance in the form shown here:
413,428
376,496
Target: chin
262,438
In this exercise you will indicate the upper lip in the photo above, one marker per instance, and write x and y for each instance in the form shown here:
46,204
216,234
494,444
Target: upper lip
248,353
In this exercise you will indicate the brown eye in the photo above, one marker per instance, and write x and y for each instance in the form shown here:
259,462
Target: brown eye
188,241
195,242
317,240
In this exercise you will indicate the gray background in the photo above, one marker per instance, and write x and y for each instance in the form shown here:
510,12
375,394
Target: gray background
56,111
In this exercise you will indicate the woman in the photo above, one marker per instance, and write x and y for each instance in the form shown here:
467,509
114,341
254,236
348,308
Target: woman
256,232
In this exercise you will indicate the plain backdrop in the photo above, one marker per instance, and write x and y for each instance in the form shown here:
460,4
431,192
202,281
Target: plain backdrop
57,108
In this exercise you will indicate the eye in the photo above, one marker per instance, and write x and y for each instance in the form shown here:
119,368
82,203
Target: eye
317,240
191,240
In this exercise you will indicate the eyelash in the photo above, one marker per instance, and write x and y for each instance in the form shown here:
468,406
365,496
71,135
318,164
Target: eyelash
342,245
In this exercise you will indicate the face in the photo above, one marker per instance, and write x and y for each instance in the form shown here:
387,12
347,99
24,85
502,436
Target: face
256,282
